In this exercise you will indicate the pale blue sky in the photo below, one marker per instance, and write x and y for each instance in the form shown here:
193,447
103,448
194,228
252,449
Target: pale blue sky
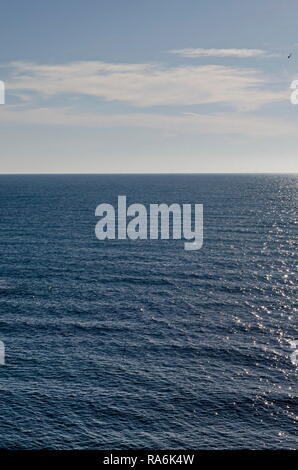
148,86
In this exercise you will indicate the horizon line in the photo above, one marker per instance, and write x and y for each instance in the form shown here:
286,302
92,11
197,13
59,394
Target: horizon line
155,173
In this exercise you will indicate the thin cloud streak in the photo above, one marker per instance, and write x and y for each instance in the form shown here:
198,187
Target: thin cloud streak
193,123
239,53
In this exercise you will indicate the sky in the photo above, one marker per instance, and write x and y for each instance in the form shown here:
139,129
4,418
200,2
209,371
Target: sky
139,86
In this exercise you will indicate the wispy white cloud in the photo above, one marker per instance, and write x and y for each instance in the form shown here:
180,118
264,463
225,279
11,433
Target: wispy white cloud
147,85
239,53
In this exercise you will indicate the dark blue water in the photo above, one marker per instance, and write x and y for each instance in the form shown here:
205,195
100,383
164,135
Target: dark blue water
141,344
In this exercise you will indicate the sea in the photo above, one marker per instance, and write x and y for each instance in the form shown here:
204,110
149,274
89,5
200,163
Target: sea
140,344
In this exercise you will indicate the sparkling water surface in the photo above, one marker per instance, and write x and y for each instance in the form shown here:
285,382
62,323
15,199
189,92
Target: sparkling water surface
141,344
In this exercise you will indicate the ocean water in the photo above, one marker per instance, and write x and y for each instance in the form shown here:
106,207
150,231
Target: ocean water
141,344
